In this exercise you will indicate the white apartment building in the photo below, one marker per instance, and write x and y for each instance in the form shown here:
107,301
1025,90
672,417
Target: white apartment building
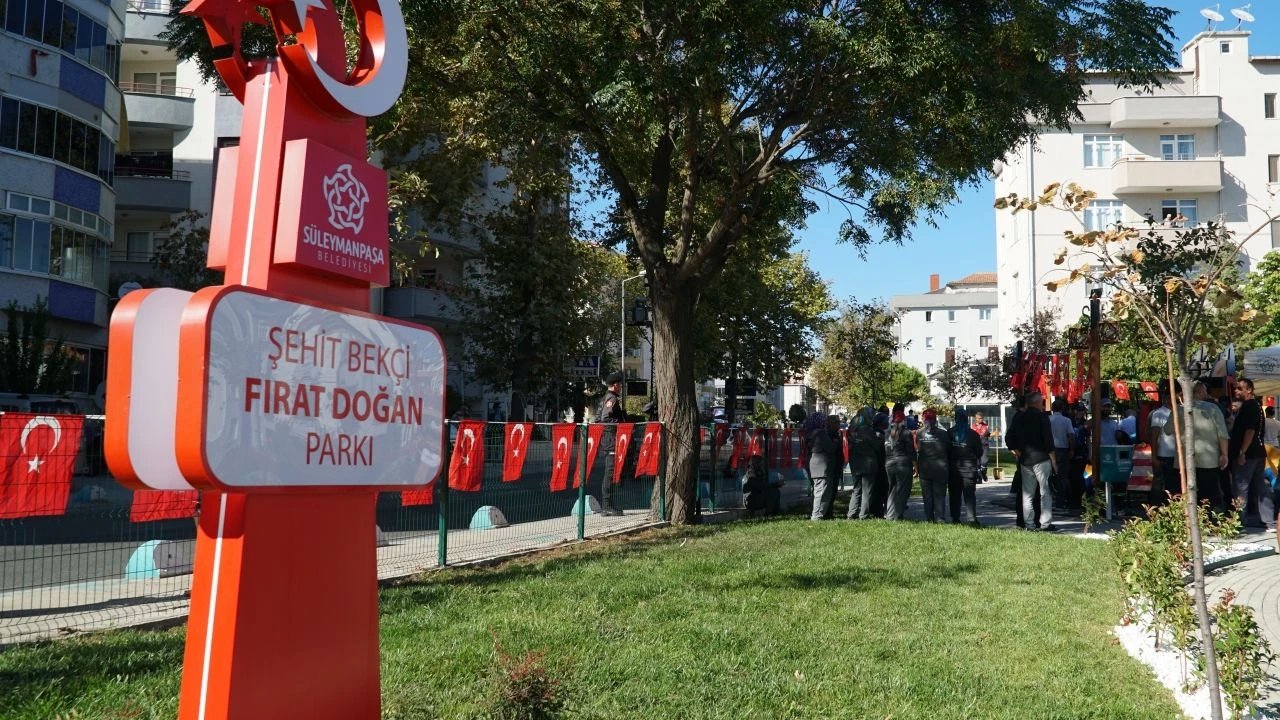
1205,146
962,316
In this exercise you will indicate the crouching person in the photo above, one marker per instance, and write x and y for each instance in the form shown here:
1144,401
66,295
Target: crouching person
760,493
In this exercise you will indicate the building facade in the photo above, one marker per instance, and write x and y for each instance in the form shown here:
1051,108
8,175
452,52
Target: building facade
960,317
60,117
1205,146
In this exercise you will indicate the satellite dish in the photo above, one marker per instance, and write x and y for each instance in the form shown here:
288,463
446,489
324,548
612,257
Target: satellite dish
1212,15
126,288
1242,15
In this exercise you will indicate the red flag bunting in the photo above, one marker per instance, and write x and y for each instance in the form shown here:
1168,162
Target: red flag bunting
804,446
561,455
37,459
1121,389
466,467
786,448
757,443
650,449
150,505
739,448
1150,388
594,434
621,443
516,450
844,443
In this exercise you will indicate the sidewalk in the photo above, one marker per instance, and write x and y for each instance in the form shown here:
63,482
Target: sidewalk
1256,584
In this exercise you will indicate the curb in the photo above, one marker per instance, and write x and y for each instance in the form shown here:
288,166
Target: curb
1256,554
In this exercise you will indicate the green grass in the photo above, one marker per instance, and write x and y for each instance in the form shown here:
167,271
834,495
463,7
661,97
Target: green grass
770,619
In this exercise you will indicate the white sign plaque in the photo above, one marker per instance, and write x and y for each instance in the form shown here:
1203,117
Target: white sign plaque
298,395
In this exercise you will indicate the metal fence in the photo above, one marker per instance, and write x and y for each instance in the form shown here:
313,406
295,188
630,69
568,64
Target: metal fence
79,552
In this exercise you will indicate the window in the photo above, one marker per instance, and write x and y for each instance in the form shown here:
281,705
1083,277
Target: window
928,368
1273,168
44,131
951,341
1224,47
138,247
162,83
1269,105
1178,213
984,313
928,343
984,341
1178,147
1103,213
1101,150
39,246
928,316
951,316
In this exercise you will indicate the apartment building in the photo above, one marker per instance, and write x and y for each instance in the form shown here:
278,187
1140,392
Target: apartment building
1205,146
962,316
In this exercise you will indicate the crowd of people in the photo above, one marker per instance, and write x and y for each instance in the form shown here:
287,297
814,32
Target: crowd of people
1236,449
886,452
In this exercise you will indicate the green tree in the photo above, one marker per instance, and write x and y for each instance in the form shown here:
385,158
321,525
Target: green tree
688,112
857,351
181,257
29,361
1262,291
903,384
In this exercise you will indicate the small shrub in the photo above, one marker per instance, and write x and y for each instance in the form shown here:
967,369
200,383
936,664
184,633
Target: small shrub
1243,652
525,687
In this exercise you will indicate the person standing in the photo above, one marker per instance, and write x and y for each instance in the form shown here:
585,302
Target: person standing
826,465
1164,450
1064,440
1210,446
1248,457
966,448
984,431
933,454
899,465
610,413
1271,439
1035,452
865,460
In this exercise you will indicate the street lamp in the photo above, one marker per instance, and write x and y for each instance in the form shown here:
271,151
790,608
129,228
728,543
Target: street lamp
622,344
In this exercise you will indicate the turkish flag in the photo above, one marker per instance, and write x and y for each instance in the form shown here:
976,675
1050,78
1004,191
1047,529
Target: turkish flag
804,445
650,450
1121,389
1150,388
594,434
561,455
466,467
757,443
739,447
37,459
149,505
775,447
514,454
621,443
421,496
786,448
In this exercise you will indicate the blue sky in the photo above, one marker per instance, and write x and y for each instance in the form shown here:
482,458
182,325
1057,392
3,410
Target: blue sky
964,241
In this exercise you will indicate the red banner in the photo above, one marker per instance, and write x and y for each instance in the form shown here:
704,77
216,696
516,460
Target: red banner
650,450
717,442
786,448
1150,388
37,458
466,467
561,455
594,434
844,443
517,447
804,444
739,448
757,443
421,496
1121,389
149,505
621,444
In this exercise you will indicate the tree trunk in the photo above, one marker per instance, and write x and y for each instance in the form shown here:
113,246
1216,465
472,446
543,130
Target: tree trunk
1197,547
677,400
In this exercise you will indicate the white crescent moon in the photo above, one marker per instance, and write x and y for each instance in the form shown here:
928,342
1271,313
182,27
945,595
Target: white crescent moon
562,444
622,442
378,90
36,422
520,427
468,434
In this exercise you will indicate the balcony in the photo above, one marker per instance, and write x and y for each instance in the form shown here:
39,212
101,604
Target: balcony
431,306
145,21
157,190
1183,111
159,106
1141,174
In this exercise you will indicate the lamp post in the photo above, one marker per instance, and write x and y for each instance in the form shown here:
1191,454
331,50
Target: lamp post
622,343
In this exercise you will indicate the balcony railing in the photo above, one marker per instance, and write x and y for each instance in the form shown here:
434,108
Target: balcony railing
160,7
157,89
145,172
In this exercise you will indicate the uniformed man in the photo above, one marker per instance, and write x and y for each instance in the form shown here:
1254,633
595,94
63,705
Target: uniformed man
611,412
933,449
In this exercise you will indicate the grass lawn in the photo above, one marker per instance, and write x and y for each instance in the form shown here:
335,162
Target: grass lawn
767,619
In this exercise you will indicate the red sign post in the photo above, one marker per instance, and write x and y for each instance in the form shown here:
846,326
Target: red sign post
293,404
